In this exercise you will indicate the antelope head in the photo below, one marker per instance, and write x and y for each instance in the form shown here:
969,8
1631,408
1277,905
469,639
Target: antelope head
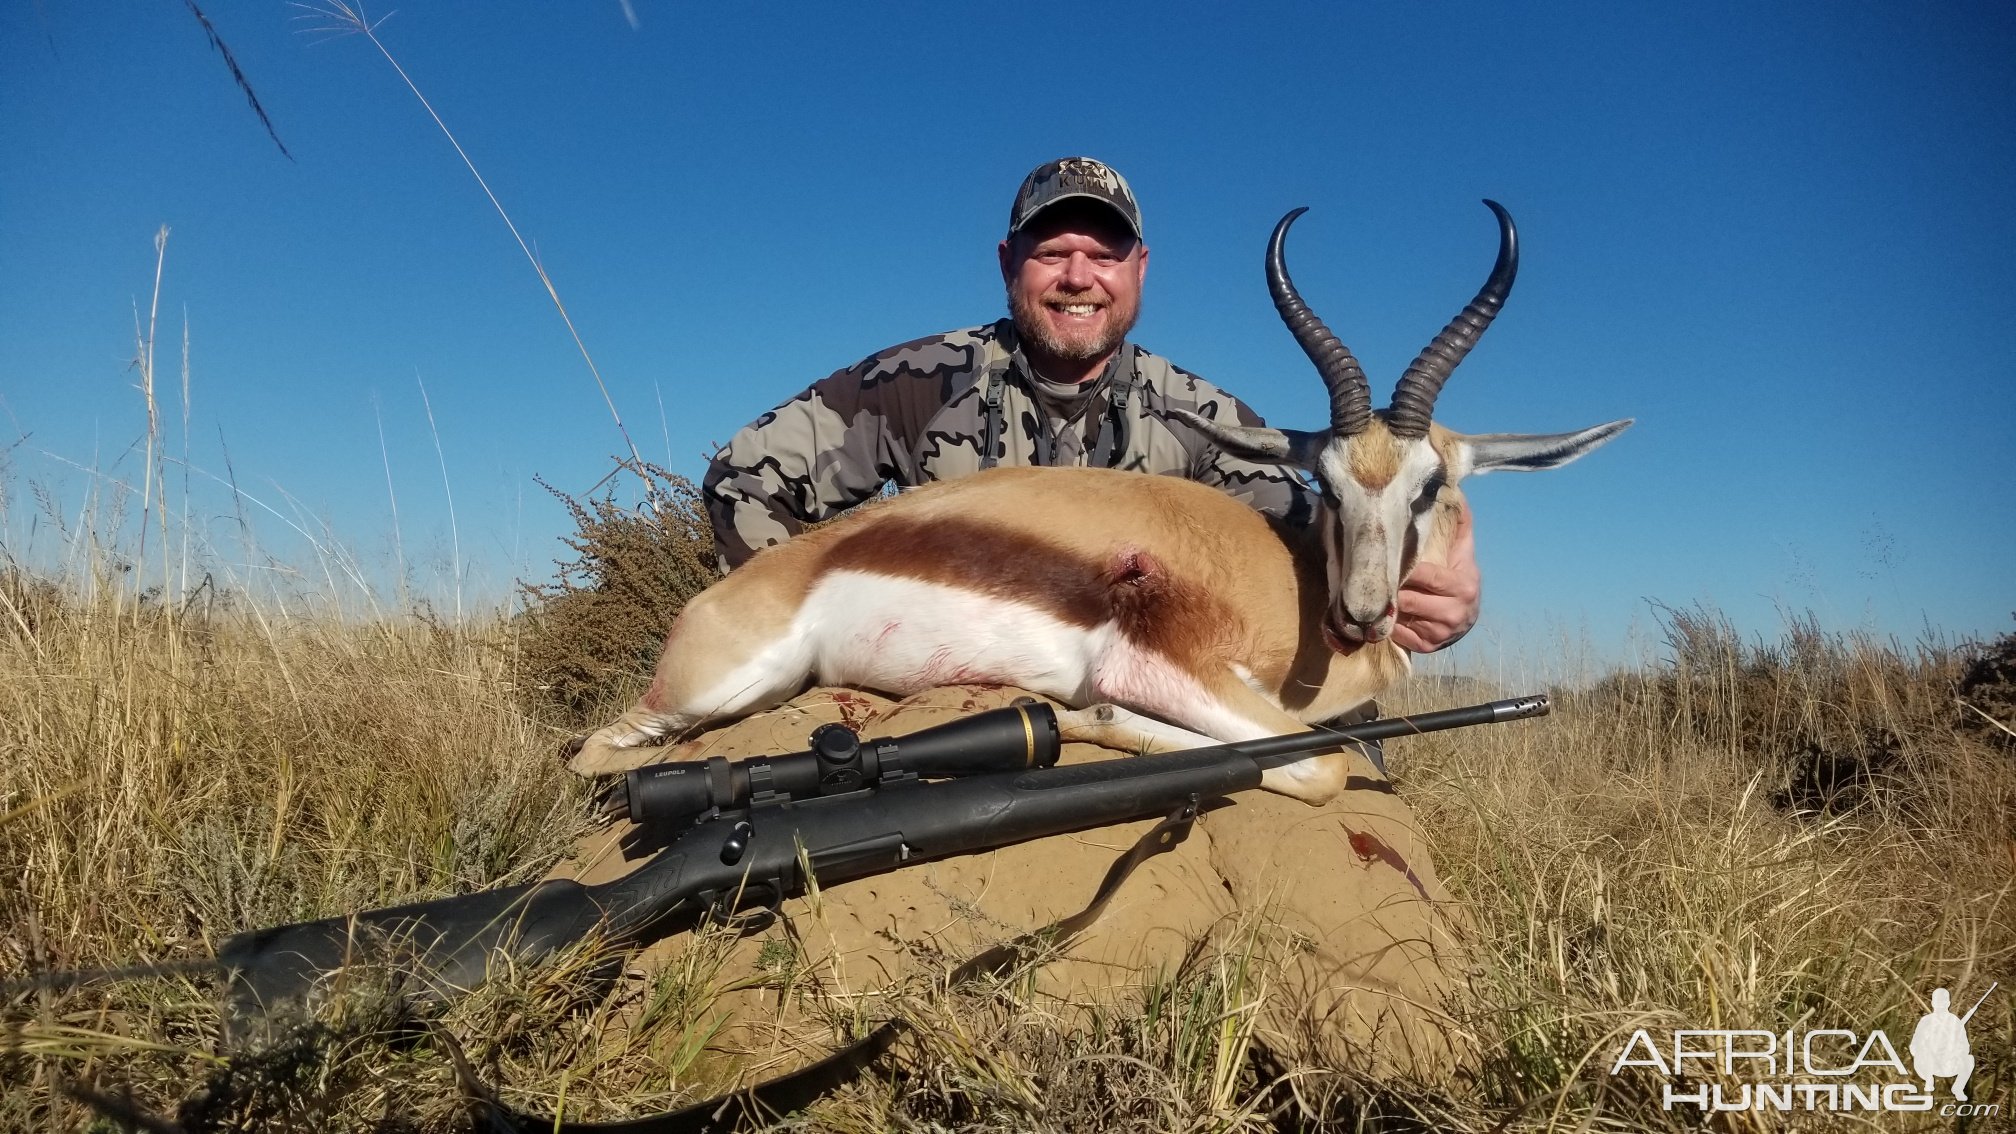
1381,472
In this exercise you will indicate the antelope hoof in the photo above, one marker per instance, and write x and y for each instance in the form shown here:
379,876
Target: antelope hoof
610,751
1089,717
1315,781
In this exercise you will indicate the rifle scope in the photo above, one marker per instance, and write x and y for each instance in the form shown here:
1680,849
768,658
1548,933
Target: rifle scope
1003,740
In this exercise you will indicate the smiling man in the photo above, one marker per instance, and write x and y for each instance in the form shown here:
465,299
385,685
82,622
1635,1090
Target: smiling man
1074,273
1056,383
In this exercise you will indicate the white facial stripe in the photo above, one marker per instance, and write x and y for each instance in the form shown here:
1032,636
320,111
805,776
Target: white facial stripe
1366,538
1459,463
1333,466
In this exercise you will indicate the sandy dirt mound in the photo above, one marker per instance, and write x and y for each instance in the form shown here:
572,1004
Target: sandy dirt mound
1342,898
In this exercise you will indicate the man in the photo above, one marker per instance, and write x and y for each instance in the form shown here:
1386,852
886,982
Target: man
1939,1045
1056,383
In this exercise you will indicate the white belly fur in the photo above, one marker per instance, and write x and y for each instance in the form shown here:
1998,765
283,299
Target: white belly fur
907,635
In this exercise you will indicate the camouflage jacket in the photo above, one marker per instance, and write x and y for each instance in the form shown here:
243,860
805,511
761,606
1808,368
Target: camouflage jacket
920,412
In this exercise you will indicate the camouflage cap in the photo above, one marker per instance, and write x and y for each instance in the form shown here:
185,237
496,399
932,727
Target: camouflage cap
1065,178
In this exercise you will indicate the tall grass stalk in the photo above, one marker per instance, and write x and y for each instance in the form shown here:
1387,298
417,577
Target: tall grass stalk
143,357
392,498
447,490
182,588
339,18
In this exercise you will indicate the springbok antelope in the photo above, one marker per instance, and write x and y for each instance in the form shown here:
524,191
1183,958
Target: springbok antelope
1153,593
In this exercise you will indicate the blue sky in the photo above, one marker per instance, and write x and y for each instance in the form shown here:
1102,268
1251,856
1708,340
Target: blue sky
1777,235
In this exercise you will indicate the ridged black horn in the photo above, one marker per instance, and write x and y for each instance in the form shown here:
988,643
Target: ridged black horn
1350,395
1414,398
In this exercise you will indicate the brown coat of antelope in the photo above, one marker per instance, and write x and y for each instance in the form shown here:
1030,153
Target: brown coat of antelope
1116,591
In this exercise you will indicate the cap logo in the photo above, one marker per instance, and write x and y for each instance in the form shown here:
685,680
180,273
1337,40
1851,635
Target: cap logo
1083,177
1074,177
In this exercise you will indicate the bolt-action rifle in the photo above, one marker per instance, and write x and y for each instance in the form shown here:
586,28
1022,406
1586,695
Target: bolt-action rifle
746,834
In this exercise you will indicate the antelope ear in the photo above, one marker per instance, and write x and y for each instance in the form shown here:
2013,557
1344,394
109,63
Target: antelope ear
1531,452
1256,442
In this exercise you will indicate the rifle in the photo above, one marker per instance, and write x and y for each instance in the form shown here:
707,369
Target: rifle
750,833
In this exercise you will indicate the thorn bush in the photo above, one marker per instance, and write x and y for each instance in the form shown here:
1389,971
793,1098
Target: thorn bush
1833,716
590,638
1987,693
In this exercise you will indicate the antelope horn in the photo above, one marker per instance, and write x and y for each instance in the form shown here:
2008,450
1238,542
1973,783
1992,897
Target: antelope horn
1414,398
1350,395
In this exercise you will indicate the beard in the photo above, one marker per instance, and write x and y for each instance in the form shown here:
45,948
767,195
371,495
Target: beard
1083,346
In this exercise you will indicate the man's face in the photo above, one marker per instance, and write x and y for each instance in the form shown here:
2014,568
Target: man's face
1074,280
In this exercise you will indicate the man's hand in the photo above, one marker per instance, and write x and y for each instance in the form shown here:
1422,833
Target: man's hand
1439,604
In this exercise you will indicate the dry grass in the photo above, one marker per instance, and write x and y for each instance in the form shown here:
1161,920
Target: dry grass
1658,854
1664,854
165,780
1809,832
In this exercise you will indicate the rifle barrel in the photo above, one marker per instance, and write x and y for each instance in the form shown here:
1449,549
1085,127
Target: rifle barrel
1979,1003
1274,751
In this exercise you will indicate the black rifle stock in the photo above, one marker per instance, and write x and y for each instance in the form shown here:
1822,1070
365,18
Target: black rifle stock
740,859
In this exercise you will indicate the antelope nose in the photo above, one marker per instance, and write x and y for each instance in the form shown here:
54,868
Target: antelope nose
1374,629
1356,619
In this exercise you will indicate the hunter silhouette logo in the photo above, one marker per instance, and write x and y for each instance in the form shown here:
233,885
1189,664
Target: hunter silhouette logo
1939,1043
1819,1069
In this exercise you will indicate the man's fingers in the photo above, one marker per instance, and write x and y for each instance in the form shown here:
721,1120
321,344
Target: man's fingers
1438,604
1427,579
1433,579
1408,640
1434,617
1429,621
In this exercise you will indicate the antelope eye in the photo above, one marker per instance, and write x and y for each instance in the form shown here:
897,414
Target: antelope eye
1429,490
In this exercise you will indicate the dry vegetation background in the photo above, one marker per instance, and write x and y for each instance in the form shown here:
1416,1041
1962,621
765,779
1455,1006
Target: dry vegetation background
1803,832
1798,831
